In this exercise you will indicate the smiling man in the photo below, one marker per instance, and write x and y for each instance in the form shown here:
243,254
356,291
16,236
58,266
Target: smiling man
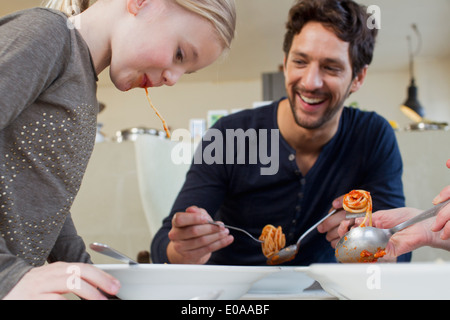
324,151
319,77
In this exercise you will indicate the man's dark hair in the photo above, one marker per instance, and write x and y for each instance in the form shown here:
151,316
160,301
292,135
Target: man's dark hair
348,21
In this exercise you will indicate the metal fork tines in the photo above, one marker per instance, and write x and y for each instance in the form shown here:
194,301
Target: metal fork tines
235,228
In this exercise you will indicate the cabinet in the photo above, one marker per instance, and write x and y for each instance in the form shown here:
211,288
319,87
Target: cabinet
273,86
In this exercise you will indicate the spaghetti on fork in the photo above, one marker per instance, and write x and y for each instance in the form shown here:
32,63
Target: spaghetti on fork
359,201
274,240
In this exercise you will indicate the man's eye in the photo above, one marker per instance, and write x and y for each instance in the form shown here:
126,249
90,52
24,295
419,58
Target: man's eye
333,69
300,62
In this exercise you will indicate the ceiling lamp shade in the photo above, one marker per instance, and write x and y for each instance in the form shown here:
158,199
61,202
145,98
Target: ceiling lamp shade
412,107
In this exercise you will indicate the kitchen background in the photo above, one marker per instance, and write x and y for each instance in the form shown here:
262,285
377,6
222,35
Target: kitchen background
129,186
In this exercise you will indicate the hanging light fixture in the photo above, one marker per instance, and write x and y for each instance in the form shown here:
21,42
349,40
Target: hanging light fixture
412,107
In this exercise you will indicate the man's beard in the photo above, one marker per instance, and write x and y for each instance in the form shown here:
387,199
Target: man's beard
329,114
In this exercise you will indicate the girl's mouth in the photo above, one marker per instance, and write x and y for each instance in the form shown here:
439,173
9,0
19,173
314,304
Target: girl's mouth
145,83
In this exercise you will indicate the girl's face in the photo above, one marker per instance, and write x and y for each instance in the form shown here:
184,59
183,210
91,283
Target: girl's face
158,42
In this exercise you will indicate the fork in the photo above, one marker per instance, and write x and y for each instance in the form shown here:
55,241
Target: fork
235,228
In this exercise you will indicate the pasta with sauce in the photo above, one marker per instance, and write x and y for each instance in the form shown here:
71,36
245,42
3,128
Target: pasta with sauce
274,240
166,129
359,201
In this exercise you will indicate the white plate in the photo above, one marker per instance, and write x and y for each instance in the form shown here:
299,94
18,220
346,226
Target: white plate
406,281
290,280
183,282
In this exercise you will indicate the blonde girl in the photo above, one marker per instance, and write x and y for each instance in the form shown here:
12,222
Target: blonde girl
50,59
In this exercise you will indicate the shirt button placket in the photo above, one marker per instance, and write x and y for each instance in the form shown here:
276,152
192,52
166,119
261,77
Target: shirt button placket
298,207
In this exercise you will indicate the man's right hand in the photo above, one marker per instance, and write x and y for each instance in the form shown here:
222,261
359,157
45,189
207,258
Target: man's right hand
193,239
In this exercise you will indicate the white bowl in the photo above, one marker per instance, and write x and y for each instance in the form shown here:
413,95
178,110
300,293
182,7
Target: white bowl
405,281
183,282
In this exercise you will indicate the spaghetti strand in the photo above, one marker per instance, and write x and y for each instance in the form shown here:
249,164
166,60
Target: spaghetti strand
166,129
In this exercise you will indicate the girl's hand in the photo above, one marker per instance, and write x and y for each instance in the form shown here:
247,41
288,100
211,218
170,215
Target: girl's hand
51,282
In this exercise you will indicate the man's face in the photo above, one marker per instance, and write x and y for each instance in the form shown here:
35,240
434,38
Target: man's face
318,76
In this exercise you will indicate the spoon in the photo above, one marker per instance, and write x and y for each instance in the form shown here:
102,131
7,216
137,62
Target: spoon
235,228
350,246
110,252
289,253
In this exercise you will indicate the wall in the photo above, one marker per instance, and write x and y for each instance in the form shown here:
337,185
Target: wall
176,104
383,92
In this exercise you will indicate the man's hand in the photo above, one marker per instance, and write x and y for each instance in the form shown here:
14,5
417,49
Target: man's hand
331,225
193,239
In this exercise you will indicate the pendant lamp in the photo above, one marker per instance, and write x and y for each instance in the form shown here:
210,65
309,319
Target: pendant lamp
412,107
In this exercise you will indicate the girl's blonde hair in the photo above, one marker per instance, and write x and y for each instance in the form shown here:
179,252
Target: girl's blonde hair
221,13
69,7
